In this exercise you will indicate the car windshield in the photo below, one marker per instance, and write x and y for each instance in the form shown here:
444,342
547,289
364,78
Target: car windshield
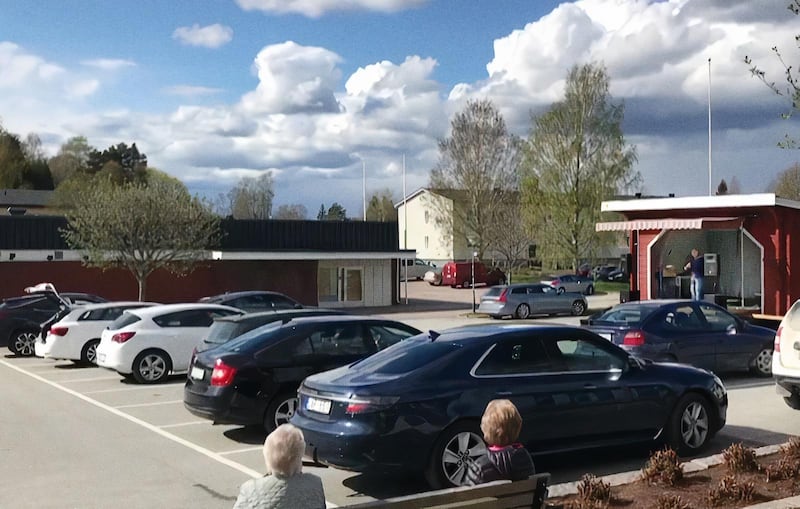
246,342
627,314
406,356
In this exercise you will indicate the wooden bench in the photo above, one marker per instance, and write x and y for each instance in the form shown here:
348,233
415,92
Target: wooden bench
528,494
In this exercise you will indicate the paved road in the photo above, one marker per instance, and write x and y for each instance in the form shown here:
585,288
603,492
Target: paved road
80,437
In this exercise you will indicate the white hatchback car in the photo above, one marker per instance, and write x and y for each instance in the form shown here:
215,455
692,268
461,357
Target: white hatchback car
786,357
77,334
150,343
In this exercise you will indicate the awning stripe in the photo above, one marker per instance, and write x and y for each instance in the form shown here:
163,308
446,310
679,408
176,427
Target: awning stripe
659,224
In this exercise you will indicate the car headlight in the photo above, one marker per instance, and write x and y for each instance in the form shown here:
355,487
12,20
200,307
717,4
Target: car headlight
718,390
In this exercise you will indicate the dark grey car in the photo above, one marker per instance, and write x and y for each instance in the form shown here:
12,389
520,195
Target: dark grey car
524,300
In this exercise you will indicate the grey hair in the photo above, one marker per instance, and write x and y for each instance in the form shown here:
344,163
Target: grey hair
283,451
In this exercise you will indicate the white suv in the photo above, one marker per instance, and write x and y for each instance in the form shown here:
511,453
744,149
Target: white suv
786,357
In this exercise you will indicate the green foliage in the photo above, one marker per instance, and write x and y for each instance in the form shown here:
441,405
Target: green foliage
293,211
336,213
791,89
381,207
478,171
788,183
123,164
141,227
575,158
72,157
663,468
739,458
13,164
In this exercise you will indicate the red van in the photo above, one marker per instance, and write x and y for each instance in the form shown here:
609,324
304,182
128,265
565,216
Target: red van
460,274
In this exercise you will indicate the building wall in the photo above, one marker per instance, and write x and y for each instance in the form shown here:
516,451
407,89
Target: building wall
376,288
430,240
298,279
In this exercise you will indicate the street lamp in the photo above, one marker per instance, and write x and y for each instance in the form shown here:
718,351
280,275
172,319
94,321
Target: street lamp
474,254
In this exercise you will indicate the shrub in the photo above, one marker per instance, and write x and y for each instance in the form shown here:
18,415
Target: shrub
792,449
784,468
593,493
671,502
663,467
739,458
730,490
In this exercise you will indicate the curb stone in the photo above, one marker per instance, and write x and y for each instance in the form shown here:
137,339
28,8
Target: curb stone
695,465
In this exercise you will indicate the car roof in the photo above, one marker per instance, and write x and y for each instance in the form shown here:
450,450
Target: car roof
162,309
472,333
113,304
342,318
279,313
245,293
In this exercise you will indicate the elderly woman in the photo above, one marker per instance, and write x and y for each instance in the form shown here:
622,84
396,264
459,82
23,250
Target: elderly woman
285,486
505,458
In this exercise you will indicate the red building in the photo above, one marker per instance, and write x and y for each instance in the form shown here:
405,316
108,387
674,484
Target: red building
747,240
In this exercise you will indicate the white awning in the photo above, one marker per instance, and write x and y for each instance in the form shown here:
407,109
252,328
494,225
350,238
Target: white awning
665,224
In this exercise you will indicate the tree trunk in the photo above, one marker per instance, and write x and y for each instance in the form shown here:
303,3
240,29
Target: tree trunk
142,280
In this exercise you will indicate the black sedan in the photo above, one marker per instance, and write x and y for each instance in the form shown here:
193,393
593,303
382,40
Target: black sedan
416,406
253,379
693,332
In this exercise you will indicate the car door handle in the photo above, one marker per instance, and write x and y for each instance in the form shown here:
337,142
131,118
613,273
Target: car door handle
503,393
590,386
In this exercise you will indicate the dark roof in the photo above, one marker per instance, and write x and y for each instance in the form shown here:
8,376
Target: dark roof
43,232
24,198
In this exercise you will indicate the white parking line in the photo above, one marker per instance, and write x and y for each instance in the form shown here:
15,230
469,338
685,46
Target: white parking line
179,424
95,379
246,449
138,405
155,429
134,388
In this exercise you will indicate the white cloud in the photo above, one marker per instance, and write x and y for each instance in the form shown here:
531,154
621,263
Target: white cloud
109,64
191,90
211,36
317,8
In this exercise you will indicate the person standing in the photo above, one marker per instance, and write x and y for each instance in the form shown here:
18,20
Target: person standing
697,268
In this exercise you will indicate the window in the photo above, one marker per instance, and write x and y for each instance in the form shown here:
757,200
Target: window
339,339
579,354
281,302
386,335
328,284
352,278
123,321
717,319
516,356
189,318
519,291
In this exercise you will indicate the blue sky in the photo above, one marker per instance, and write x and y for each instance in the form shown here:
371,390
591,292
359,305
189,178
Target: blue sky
216,90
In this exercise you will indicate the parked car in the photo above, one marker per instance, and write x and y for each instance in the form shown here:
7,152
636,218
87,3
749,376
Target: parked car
584,270
253,301
21,317
148,344
524,300
618,275
571,283
77,334
786,359
693,332
226,328
460,274
416,406
433,277
416,269
253,379
601,272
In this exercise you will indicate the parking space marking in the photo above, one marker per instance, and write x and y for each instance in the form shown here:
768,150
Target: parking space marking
179,424
139,405
246,449
95,379
120,389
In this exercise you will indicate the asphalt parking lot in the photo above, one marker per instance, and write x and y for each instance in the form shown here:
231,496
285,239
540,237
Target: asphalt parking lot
84,438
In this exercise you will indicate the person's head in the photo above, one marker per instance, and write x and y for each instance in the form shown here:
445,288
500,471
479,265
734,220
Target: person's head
283,451
695,253
501,422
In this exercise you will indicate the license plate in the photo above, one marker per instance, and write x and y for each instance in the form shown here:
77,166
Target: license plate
606,335
320,406
197,373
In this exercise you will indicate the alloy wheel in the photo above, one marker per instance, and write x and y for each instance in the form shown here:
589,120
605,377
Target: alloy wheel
25,343
694,425
285,411
91,353
763,363
523,311
152,367
578,308
463,449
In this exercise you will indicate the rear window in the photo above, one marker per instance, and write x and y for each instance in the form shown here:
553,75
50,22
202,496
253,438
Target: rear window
628,314
494,291
793,316
406,356
221,331
251,342
123,321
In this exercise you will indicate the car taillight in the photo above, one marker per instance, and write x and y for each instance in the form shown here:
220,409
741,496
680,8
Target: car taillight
633,338
122,337
222,374
555,282
364,405
59,331
503,297
778,339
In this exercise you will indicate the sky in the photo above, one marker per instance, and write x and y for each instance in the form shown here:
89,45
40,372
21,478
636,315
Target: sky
323,92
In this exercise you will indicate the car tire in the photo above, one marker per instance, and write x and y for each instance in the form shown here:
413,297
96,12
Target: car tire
23,343
578,308
89,353
561,290
793,401
689,426
456,446
523,311
762,362
590,290
280,410
465,284
151,367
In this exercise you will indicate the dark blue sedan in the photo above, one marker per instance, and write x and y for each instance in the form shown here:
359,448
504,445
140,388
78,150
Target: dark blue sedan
693,332
416,406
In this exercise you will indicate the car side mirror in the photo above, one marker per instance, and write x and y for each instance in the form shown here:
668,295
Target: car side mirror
731,329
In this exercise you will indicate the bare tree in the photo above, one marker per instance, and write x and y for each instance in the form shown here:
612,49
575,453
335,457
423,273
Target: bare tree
787,184
251,198
294,211
477,169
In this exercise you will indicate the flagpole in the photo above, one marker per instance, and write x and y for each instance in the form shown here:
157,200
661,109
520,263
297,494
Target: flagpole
710,192
405,225
364,187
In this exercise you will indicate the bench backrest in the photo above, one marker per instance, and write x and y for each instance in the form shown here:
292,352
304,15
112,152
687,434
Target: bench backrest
529,494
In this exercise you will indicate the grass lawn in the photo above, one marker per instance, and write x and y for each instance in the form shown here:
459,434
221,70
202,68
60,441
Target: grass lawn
532,275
